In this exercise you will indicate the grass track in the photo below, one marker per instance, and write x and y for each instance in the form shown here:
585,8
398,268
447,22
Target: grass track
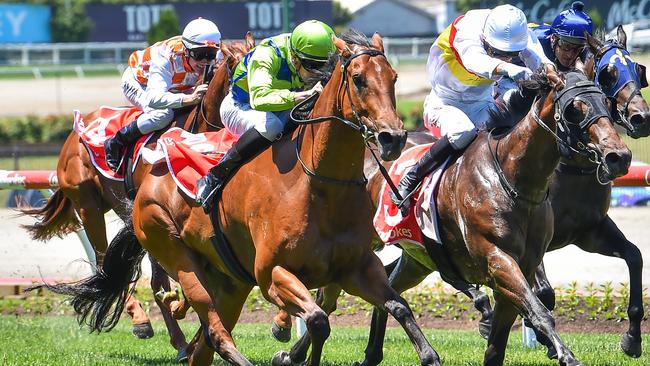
52,341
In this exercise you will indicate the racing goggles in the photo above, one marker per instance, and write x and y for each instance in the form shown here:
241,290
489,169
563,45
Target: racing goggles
203,53
502,54
567,46
311,65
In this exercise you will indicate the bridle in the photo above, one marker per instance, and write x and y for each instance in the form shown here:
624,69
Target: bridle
366,133
571,136
615,54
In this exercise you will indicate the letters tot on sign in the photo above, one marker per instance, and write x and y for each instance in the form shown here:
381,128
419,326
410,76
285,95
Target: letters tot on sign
14,19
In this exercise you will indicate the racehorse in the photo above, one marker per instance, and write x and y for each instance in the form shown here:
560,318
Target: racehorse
580,202
84,195
298,216
494,216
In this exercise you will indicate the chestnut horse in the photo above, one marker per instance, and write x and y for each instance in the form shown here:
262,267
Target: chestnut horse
298,216
84,195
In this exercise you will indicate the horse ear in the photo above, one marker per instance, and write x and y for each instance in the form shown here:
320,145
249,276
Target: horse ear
622,37
377,42
250,41
594,43
343,48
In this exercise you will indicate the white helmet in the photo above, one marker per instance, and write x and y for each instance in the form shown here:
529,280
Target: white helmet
506,29
200,33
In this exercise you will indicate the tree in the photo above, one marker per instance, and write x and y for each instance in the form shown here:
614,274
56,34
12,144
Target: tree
596,19
340,16
166,27
69,22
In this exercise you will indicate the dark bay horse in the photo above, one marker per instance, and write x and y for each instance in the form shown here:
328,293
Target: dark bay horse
297,216
497,238
84,195
580,202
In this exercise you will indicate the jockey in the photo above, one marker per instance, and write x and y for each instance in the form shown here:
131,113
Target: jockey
163,77
564,41
265,85
464,61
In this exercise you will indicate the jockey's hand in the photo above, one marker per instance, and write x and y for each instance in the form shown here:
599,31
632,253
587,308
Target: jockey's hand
515,72
197,94
552,76
300,96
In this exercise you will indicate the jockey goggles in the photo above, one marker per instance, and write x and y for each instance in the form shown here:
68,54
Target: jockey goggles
502,54
204,53
311,65
567,46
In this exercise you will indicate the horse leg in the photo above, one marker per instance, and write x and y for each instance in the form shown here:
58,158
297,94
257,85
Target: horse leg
159,279
287,292
607,239
545,293
503,317
509,281
481,303
281,326
407,274
370,282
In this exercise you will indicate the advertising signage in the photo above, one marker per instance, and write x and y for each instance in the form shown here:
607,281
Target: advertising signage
22,23
131,22
612,13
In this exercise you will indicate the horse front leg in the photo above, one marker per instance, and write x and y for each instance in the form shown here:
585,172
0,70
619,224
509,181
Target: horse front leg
607,239
370,282
509,281
286,291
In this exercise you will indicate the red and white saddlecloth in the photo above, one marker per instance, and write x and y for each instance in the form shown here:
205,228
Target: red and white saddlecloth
421,219
94,133
190,156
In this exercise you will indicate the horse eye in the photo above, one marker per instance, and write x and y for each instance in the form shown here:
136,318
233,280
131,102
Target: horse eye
358,81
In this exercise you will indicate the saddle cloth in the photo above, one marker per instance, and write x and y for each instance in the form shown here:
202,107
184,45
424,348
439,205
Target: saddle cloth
421,218
190,156
94,133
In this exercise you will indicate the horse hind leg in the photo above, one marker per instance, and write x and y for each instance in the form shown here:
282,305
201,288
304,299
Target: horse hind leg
370,282
545,293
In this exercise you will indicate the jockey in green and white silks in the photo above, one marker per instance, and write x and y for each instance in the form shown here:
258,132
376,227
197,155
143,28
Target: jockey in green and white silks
265,85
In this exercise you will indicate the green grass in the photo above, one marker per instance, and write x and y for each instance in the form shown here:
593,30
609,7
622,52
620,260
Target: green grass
59,341
49,71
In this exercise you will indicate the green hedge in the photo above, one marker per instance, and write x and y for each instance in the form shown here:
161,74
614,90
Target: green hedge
33,129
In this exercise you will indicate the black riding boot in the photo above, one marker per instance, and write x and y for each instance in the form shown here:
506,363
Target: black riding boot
115,146
435,156
246,148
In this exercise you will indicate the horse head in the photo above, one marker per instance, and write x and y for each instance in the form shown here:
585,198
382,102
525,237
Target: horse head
367,91
584,126
621,79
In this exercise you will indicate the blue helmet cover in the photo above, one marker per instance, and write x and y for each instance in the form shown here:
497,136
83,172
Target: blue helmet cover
573,23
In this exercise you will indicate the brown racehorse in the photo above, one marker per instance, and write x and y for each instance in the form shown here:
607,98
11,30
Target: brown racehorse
84,195
580,202
297,216
497,238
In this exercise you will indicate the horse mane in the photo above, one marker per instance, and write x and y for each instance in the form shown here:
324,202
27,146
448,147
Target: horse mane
324,74
502,118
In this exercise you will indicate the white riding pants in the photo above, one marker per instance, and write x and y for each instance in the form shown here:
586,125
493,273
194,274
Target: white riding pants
240,117
152,119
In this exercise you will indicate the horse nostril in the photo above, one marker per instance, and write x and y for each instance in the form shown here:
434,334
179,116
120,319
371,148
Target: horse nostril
619,162
385,138
638,119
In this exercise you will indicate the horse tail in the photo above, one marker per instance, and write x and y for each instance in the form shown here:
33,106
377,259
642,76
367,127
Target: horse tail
99,299
56,218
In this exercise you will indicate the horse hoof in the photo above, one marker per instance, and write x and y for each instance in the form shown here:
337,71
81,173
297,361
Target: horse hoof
630,345
551,353
484,327
281,358
281,334
143,331
181,356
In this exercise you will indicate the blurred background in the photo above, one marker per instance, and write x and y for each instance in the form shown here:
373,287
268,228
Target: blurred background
60,55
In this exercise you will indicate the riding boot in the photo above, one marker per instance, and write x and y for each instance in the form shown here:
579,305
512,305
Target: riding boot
246,148
435,156
115,146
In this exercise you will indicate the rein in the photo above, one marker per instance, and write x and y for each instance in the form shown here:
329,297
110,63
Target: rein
366,134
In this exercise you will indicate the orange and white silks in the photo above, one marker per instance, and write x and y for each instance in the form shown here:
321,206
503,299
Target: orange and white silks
170,56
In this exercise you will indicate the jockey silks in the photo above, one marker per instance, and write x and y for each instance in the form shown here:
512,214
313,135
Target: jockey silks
265,78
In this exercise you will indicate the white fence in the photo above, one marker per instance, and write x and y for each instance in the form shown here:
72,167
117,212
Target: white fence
80,58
